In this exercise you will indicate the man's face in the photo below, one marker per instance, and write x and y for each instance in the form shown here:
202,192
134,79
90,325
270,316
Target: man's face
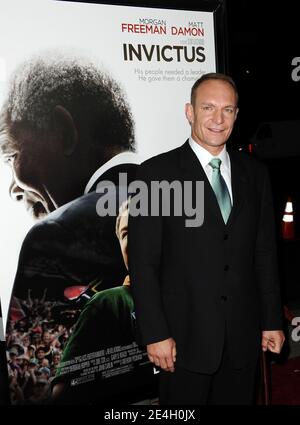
122,234
46,338
213,114
56,359
32,166
40,354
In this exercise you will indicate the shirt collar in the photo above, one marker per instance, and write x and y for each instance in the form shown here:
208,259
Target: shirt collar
205,157
121,158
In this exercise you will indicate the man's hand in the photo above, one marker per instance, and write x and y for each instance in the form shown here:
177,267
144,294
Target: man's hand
163,354
272,341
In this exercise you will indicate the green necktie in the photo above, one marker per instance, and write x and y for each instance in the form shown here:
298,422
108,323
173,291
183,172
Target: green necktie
220,188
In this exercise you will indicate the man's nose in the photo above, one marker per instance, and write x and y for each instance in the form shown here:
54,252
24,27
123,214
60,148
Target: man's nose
218,116
15,192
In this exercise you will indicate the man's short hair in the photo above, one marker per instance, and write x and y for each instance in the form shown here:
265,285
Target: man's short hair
213,76
94,99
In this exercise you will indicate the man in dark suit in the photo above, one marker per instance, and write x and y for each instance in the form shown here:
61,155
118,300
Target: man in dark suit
207,297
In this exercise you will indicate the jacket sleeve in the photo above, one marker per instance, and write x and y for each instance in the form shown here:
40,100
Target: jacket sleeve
145,235
266,261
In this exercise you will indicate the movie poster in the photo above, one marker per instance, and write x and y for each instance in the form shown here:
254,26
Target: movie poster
87,91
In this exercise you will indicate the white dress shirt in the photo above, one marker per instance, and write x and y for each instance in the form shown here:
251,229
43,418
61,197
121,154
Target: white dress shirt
119,159
205,157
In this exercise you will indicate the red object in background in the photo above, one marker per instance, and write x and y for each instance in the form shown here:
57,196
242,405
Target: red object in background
16,311
286,382
287,226
73,292
250,148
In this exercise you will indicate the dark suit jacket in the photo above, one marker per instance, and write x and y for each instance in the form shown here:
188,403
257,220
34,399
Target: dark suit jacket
201,284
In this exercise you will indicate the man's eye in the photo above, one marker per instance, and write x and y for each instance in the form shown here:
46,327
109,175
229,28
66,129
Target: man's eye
207,108
229,110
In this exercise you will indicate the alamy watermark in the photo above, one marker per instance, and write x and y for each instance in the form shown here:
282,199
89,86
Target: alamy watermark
158,198
295,334
296,71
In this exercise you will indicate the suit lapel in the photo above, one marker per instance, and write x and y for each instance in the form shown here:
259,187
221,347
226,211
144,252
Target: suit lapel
191,169
238,183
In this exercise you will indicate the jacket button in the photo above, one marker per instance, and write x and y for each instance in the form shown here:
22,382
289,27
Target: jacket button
226,268
224,298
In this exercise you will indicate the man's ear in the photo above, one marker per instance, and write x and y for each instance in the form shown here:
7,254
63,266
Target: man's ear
189,112
236,113
67,129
